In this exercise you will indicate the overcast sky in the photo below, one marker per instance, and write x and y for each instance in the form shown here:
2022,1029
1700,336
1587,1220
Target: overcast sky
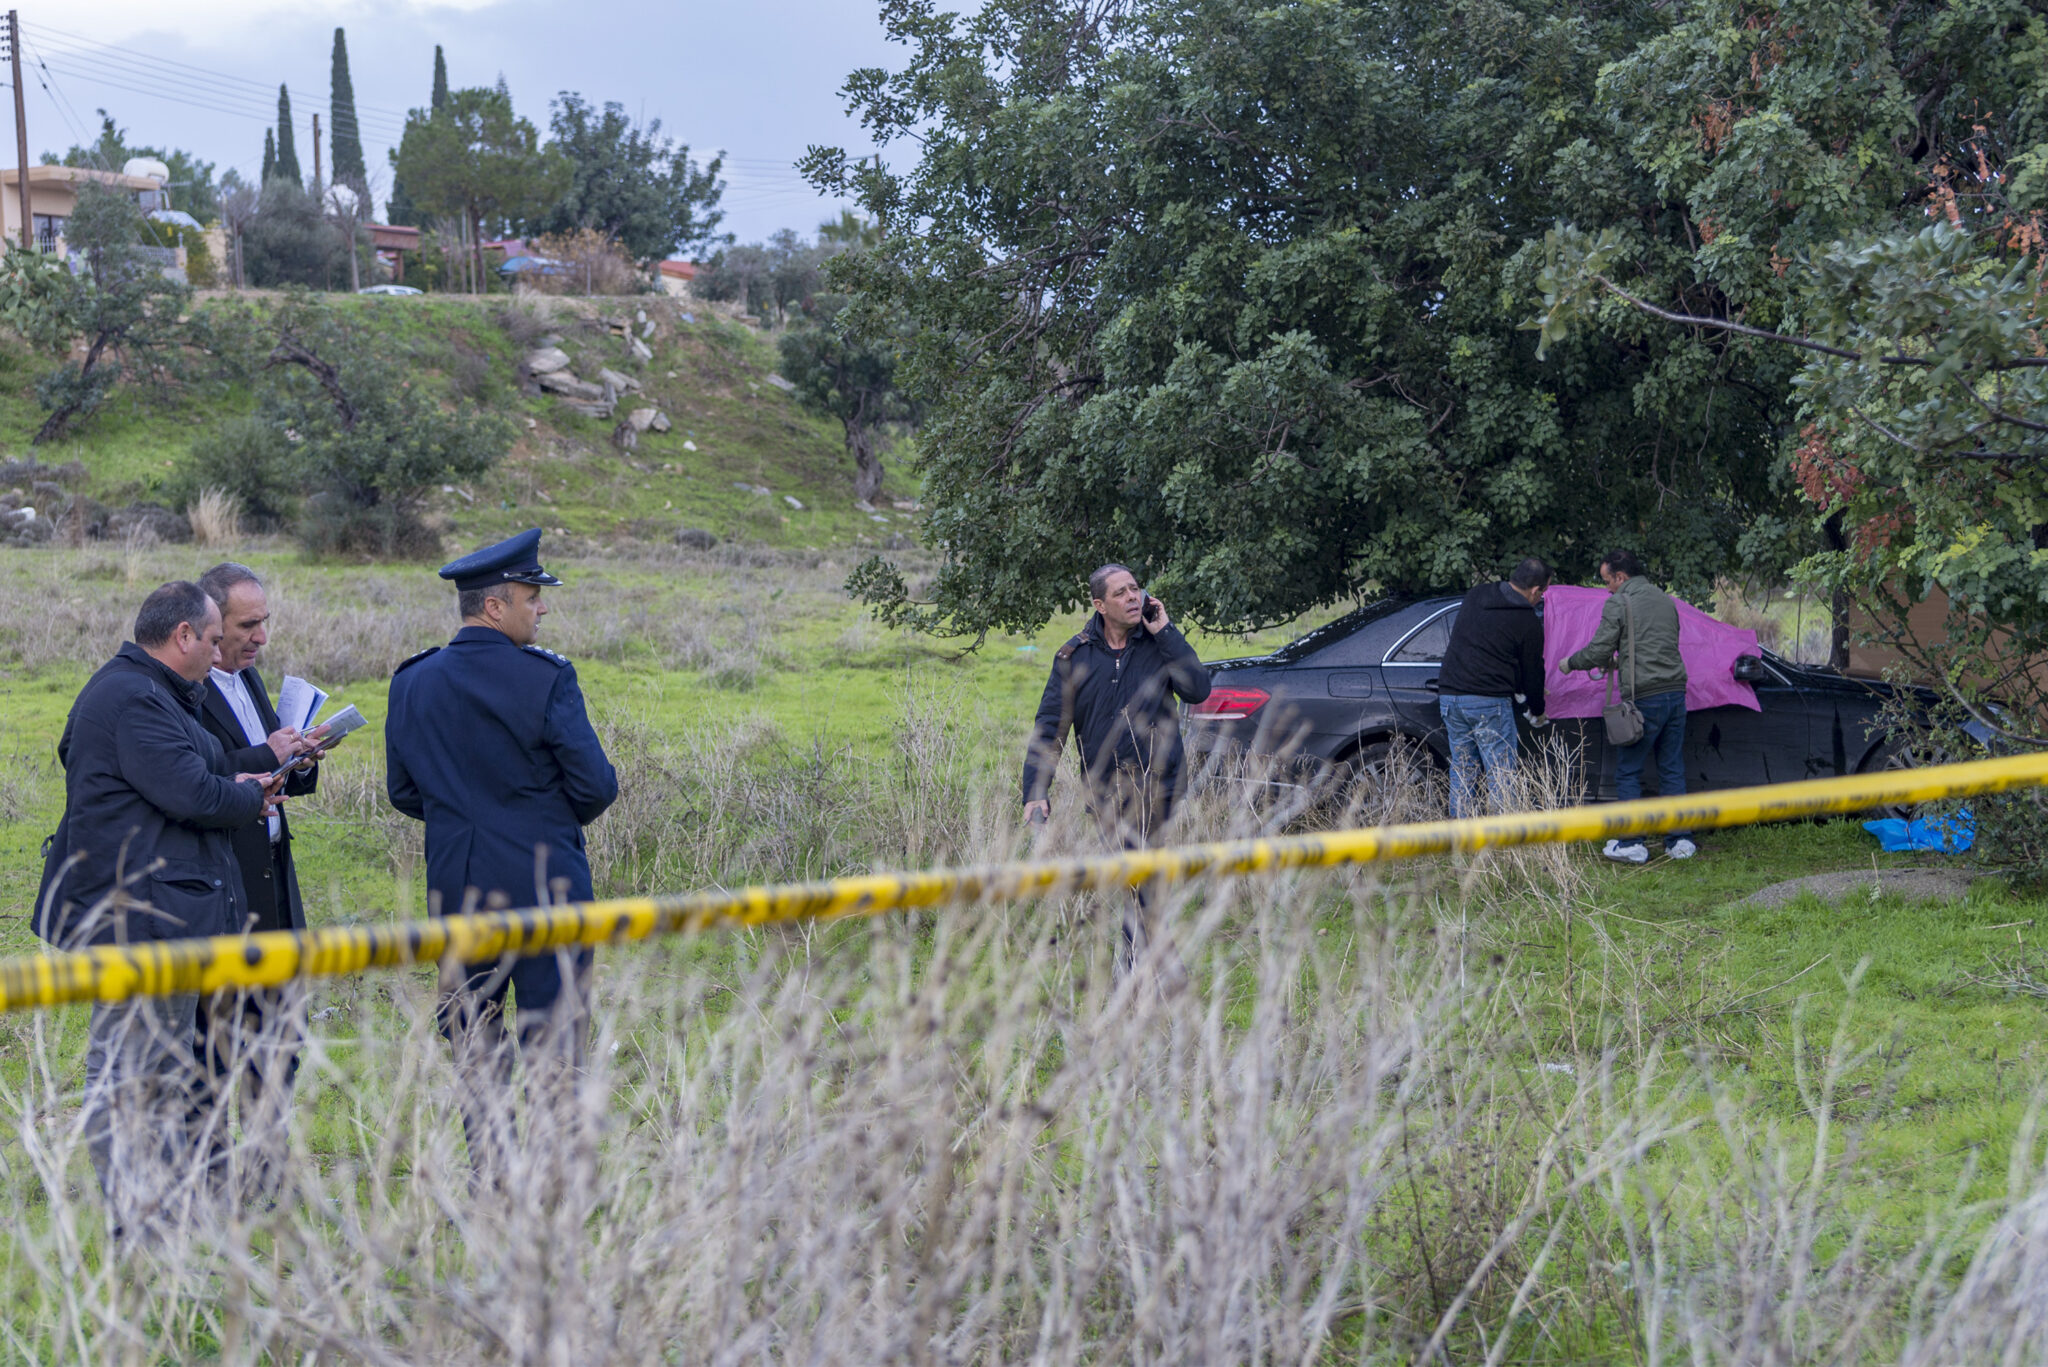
758,79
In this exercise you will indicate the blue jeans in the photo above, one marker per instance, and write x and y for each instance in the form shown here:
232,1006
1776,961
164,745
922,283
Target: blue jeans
1663,733
1481,732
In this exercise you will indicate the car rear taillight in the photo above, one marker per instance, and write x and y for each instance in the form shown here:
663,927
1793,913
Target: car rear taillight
1230,704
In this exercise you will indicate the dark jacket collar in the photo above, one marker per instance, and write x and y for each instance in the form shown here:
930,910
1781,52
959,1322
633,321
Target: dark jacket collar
188,694
1093,633
481,636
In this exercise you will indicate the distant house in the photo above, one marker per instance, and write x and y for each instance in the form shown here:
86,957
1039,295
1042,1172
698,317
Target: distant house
675,277
53,196
391,241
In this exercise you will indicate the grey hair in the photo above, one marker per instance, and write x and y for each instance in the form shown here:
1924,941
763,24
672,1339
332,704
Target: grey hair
470,602
168,607
218,582
1098,582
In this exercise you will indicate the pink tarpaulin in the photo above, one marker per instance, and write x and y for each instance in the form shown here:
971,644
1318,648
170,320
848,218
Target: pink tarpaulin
1572,615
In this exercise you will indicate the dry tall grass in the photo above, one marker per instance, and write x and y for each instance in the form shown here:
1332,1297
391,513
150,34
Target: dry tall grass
216,518
68,608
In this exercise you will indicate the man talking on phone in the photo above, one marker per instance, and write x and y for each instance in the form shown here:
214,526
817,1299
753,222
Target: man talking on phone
1113,688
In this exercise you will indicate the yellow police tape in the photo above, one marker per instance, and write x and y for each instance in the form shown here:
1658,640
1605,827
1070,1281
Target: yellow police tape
116,973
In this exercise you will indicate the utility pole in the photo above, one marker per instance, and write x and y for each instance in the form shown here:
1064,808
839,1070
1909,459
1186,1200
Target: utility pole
318,179
28,223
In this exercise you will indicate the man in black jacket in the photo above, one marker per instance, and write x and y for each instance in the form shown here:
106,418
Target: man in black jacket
251,1036
1495,654
144,852
1113,686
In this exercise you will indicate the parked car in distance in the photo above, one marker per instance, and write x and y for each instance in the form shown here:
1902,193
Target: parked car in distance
389,289
1341,702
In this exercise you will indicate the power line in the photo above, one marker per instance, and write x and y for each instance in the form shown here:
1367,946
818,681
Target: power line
260,108
135,57
65,110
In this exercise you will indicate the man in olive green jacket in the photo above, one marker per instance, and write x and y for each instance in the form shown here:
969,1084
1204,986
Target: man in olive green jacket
1638,638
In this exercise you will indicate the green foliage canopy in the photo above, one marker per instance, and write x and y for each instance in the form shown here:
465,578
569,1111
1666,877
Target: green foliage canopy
289,241
475,160
1866,194
628,182
1231,292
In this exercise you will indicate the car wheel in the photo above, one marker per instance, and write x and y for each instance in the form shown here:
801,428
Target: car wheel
1893,759
1390,781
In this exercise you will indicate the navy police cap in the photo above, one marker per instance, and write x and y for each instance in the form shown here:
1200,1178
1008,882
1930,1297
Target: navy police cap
515,560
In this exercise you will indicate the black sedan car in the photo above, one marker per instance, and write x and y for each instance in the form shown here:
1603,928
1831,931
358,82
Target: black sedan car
1350,696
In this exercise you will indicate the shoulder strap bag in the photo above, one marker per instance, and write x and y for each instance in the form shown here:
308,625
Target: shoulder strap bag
1624,721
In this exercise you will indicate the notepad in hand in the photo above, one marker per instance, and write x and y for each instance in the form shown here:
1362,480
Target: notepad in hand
298,702
338,725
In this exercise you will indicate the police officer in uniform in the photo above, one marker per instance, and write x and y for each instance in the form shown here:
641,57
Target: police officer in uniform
488,743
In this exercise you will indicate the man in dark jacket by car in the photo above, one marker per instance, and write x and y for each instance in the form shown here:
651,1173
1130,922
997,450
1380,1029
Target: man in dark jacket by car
144,852
1495,655
1113,687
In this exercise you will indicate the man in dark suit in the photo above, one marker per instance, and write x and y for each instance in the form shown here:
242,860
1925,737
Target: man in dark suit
487,742
143,854
251,1037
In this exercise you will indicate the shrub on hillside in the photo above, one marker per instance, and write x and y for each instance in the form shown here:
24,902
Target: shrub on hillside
344,442
290,241
251,461
593,264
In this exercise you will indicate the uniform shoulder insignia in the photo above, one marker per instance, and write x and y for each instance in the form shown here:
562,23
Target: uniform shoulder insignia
416,659
560,661
1066,652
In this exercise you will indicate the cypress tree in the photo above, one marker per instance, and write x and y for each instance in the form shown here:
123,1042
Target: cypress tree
345,138
287,150
440,79
269,156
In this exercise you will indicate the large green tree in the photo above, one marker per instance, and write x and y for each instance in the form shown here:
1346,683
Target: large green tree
1232,292
287,146
345,136
401,207
477,161
630,183
1868,192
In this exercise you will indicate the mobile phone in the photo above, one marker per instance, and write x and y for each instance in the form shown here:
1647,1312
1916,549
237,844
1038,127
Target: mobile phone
1147,608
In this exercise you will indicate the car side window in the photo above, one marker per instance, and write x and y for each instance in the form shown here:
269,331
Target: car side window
1427,646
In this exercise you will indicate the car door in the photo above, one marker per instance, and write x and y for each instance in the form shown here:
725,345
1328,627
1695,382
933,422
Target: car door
1410,671
1733,747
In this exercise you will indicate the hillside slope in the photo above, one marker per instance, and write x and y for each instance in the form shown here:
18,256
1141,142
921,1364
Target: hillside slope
742,459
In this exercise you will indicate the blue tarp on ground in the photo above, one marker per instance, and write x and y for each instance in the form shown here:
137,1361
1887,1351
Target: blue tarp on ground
1942,834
